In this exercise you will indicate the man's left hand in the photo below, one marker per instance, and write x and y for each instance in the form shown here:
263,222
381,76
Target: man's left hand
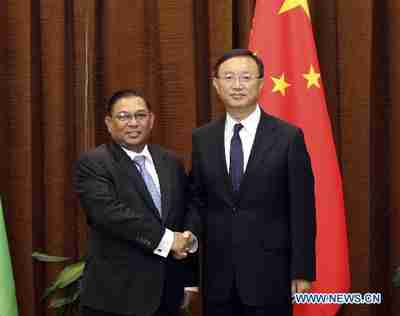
300,286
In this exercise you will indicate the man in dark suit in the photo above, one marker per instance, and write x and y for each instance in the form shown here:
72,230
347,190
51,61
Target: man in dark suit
253,187
133,194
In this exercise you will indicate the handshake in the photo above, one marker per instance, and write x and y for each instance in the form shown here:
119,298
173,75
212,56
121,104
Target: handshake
183,244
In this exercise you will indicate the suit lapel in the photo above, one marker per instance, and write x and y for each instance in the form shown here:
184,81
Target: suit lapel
263,142
128,166
161,165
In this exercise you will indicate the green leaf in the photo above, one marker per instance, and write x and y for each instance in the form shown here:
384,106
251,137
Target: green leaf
49,290
61,311
40,256
396,278
63,301
59,302
68,275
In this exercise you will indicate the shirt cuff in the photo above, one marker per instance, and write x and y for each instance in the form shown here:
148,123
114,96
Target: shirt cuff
165,244
192,289
194,246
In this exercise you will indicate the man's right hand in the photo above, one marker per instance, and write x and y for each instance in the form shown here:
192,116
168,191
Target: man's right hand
182,244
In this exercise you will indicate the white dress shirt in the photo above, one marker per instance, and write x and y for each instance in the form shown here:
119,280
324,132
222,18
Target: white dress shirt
246,134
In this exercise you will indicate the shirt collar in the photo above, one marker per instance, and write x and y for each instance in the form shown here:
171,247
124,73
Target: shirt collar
250,123
132,154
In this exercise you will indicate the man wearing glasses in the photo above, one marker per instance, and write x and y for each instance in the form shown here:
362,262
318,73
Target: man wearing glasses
252,185
139,232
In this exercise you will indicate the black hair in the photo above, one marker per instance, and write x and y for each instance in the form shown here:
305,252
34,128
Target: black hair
240,52
120,94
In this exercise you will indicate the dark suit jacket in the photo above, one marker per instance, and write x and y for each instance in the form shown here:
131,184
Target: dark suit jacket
264,236
122,273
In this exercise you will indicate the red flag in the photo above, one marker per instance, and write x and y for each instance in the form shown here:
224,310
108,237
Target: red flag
282,36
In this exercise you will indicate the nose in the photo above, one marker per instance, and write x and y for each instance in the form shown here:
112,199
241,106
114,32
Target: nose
237,83
132,121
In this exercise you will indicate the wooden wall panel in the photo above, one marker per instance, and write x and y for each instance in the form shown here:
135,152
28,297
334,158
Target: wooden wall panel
379,191
220,30
393,72
24,194
123,43
152,76
202,62
356,121
57,131
123,51
84,91
178,69
4,96
242,17
84,60
324,20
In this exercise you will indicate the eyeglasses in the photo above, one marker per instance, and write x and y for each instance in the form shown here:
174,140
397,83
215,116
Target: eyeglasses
244,78
125,117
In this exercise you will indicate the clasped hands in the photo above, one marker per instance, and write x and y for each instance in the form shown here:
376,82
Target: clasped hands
183,243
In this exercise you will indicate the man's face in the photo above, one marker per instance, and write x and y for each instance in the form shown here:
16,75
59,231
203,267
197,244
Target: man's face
238,84
130,123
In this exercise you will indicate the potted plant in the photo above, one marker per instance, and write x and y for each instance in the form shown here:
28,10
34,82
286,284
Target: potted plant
67,281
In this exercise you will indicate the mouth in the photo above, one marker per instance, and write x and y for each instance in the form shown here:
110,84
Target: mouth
134,134
237,96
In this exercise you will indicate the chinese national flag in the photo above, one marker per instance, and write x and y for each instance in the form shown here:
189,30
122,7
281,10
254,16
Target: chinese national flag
282,36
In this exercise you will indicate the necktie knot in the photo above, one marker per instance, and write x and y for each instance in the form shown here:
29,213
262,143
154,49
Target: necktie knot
140,160
236,129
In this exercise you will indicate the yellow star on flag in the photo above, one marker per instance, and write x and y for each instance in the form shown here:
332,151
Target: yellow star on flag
292,4
280,85
312,78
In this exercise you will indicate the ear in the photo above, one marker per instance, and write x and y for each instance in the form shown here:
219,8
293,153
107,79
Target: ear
152,118
108,122
260,85
216,85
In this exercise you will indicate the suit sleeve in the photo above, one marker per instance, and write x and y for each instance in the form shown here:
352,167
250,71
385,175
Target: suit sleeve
195,192
106,213
302,210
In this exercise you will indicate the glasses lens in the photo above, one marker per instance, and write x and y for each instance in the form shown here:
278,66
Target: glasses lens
127,116
123,116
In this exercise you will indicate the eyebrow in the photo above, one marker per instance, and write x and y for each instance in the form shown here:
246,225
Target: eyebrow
141,110
232,72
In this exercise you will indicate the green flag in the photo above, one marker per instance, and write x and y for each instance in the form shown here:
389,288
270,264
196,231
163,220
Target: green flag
8,301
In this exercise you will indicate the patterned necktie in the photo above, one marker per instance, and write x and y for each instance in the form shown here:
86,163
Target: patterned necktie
236,158
148,180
